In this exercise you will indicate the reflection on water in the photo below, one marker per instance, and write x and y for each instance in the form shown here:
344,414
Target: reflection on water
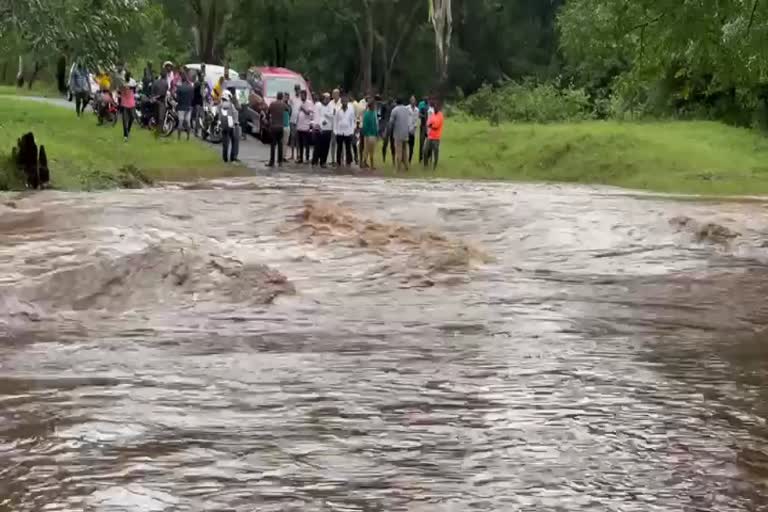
342,344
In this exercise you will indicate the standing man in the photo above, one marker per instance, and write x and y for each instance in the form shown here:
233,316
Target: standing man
360,108
159,95
399,128
230,120
370,133
344,130
277,111
336,103
385,111
435,126
304,128
413,111
423,112
80,86
198,99
324,131
296,103
148,78
185,95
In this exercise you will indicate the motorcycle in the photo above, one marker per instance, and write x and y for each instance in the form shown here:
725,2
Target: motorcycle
146,115
209,124
105,110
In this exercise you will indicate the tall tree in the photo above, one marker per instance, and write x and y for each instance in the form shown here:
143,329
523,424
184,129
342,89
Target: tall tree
441,17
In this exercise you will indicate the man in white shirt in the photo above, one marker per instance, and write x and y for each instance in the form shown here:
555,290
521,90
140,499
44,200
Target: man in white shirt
344,129
294,134
324,117
305,110
413,111
336,104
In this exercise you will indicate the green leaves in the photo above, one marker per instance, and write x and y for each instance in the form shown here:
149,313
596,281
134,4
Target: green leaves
90,29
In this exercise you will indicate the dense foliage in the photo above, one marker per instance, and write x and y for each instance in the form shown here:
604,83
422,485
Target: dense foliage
551,59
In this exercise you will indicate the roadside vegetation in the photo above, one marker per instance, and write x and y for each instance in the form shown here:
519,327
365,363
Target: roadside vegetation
699,157
83,156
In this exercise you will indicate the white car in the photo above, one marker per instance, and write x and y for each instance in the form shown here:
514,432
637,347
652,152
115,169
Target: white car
214,72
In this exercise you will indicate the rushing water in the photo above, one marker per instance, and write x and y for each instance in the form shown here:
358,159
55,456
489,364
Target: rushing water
385,346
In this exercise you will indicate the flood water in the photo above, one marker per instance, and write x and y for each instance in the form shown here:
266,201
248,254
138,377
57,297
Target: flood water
342,344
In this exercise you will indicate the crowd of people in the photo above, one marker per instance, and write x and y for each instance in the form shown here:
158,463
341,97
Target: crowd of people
341,131
336,129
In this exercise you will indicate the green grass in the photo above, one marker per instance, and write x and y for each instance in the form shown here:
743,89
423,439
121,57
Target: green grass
685,157
84,156
40,89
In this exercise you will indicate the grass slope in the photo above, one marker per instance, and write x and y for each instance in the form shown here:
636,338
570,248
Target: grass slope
687,157
83,155
39,89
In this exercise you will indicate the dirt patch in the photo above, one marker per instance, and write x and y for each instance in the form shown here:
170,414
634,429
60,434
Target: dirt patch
417,256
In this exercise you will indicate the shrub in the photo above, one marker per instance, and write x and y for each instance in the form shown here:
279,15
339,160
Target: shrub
529,101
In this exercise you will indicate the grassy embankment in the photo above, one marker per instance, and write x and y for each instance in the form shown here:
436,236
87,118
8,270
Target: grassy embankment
39,89
686,157
84,156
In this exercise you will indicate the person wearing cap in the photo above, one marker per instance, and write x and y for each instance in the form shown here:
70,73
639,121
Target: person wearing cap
228,116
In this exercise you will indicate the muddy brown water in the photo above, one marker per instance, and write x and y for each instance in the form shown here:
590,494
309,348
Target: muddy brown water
340,344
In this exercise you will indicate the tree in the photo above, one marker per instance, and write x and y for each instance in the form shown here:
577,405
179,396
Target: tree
441,17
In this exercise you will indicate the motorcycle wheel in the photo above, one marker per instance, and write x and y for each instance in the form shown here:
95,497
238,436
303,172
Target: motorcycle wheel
169,125
113,118
215,136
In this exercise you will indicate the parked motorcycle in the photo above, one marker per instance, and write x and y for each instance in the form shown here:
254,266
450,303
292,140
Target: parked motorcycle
105,110
209,124
146,115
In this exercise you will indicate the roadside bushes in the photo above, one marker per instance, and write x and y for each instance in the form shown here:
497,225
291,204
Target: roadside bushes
529,101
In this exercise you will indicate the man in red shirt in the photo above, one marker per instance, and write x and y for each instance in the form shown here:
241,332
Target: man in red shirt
434,134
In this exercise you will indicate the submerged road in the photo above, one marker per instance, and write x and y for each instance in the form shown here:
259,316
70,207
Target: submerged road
327,343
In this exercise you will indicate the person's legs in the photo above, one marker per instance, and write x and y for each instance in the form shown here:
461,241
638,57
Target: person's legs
294,140
339,143
362,151
384,148
427,153
422,141
348,145
406,155
78,103
272,149
280,135
316,148
333,146
236,134
327,137
131,116
436,151
301,143
411,144
370,147
125,113
225,138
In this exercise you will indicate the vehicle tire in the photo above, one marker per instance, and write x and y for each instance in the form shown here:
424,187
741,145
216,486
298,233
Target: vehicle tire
215,137
113,118
169,125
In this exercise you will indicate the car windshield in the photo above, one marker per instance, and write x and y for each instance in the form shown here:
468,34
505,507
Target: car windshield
275,85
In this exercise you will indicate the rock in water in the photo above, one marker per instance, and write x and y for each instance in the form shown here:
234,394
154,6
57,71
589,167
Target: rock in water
43,172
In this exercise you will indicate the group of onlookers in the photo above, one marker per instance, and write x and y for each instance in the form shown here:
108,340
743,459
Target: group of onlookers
339,129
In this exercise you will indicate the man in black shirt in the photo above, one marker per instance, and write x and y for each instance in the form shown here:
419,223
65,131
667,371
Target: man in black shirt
185,95
197,99
159,95
277,111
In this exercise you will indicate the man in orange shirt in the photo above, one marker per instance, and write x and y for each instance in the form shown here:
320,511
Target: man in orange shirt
435,133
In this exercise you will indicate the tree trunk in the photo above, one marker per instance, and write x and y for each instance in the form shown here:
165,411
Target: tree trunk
35,71
20,73
441,16
61,73
367,50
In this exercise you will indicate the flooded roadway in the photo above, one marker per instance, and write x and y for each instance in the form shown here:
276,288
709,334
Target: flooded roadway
341,344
